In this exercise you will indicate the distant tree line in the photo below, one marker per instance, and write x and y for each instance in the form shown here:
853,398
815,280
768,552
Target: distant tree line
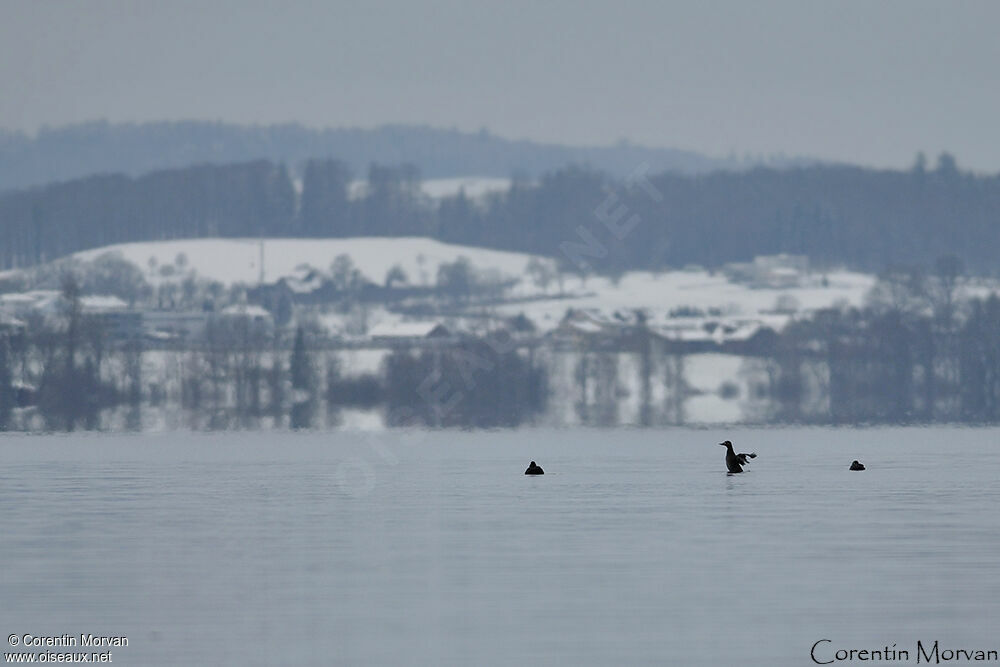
470,383
63,373
914,354
249,199
76,151
863,218
63,368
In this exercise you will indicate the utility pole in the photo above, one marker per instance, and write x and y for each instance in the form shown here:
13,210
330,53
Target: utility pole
260,280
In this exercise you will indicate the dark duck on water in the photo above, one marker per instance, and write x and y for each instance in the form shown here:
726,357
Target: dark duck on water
734,461
534,469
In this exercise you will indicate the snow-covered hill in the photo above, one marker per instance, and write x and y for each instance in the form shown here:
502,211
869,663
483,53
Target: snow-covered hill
232,261
661,293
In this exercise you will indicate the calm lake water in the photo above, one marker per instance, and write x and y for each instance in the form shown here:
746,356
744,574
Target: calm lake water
433,548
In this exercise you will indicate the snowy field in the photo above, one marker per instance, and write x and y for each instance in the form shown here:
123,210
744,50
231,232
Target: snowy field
659,293
231,261
475,187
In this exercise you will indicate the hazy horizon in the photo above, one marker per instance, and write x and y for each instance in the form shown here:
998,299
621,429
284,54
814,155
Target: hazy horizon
851,82
747,156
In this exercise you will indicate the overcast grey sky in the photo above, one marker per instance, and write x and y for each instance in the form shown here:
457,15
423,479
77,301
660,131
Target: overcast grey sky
868,82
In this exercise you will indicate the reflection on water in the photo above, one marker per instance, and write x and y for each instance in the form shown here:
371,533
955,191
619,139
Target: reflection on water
434,548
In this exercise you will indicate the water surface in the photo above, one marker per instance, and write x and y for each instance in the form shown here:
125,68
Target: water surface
433,548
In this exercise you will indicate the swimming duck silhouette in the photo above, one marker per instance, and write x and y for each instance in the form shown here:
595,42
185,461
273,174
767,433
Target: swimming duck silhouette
534,469
734,461
855,465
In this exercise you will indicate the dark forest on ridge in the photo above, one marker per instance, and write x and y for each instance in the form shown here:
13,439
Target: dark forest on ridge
862,218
